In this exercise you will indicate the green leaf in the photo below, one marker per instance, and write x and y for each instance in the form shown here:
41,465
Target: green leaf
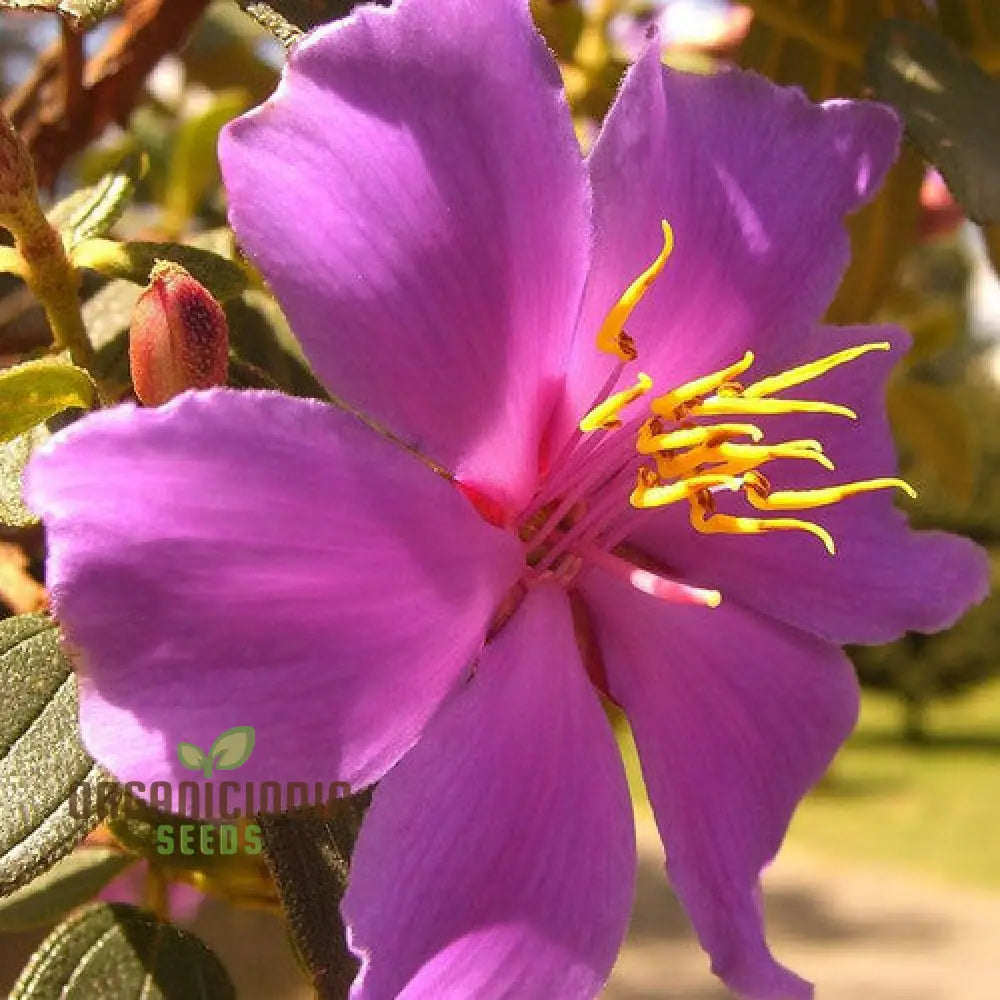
87,13
107,952
67,884
92,211
84,13
42,761
309,856
191,756
107,315
32,392
287,20
948,105
232,748
194,163
261,336
14,456
134,260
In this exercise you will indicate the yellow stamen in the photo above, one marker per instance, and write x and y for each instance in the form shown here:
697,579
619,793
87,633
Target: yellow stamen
650,493
735,459
691,462
806,373
651,441
765,499
704,520
612,338
721,406
604,416
669,404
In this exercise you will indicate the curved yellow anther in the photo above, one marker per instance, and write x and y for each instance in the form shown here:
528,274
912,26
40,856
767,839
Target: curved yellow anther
807,372
709,523
668,404
721,406
807,499
604,416
750,456
731,459
612,338
649,442
650,493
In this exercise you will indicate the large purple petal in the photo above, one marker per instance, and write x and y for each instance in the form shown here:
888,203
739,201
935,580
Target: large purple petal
416,197
885,579
246,559
498,857
735,717
755,181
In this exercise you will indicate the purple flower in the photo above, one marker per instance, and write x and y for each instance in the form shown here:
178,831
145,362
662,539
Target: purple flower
428,595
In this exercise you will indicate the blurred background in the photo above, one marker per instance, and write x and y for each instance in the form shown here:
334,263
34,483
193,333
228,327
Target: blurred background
889,886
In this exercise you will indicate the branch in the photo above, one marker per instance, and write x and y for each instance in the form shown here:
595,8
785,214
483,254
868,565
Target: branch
112,79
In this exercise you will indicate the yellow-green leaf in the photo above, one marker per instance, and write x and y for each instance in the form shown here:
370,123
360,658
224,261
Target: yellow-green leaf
32,392
134,260
194,165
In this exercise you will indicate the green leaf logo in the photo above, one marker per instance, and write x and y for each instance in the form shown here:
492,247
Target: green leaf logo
191,757
230,750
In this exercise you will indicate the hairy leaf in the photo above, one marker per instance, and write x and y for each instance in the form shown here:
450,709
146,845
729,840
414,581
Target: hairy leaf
309,855
42,761
14,456
260,335
287,20
83,13
134,260
36,390
93,210
106,952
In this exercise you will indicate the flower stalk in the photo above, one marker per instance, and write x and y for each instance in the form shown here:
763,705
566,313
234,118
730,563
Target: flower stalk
39,256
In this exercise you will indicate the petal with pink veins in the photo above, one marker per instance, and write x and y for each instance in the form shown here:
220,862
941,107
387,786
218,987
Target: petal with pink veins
498,857
248,559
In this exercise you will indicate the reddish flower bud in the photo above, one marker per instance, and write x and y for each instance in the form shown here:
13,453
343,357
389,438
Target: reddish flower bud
179,337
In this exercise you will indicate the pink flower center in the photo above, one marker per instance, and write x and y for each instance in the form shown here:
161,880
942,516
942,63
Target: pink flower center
672,451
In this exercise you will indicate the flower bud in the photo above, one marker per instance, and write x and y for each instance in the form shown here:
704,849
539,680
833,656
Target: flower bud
179,338
17,176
